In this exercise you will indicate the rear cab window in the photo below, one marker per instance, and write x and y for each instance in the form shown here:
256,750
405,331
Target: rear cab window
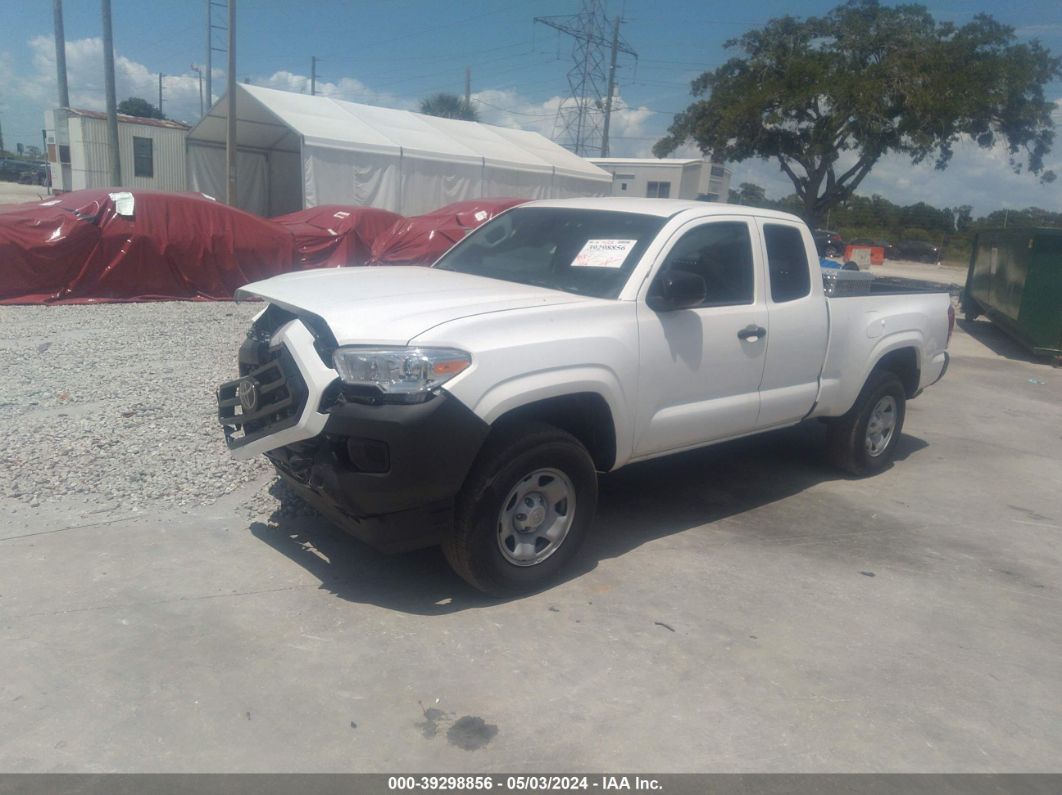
787,262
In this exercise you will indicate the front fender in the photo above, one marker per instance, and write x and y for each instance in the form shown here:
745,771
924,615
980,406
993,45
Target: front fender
528,388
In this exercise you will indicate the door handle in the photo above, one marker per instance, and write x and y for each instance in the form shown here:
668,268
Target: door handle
752,332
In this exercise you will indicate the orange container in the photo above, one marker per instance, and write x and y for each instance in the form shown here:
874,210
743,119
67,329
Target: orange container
877,254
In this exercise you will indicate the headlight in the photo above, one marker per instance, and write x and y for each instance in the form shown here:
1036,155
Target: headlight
403,375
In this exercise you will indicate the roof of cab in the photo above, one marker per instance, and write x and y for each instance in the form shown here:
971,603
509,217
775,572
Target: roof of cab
664,208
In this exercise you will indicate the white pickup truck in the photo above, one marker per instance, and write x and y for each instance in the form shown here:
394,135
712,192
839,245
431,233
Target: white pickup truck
472,404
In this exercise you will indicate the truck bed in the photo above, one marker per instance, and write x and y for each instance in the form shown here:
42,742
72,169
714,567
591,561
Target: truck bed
847,284
905,315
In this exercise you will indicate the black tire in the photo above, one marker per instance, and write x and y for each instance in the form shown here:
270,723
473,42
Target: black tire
508,459
847,444
851,265
971,310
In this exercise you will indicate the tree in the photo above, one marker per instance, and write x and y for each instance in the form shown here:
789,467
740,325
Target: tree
135,106
963,217
751,195
827,97
449,106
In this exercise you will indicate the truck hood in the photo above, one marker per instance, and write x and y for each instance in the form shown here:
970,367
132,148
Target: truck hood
390,305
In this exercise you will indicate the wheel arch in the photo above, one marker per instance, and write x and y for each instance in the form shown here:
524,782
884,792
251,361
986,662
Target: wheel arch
585,415
904,363
587,402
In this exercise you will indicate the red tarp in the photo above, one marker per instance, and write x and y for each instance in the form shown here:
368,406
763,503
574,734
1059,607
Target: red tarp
333,235
79,249
422,239
84,247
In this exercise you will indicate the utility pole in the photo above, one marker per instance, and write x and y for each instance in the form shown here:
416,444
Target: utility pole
160,93
209,54
579,119
60,54
199,72
468,86
230,137
611,87
112,102
313,75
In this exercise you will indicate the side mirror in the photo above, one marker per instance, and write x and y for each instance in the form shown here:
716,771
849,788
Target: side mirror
676,289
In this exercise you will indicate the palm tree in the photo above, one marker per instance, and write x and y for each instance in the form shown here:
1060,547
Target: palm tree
449,106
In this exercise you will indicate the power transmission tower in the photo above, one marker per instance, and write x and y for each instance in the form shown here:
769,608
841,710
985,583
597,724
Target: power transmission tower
313,75
210,48
582,119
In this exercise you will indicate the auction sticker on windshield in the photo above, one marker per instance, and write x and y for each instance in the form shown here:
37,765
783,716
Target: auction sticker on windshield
603,254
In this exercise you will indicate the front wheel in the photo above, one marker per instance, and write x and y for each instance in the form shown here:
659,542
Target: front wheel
525,509
864,440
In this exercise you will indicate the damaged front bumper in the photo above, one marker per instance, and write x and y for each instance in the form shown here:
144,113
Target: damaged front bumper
387,474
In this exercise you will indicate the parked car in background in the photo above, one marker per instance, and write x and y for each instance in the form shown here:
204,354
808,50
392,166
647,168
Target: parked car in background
28,172
917,250
828,243
34,174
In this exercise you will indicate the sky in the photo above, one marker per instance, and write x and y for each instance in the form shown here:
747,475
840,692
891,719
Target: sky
395,52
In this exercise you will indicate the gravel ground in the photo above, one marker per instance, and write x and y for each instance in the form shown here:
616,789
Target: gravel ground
113,405
13,193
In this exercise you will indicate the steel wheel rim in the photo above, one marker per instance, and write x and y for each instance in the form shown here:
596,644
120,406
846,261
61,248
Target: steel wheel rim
881,426
535,517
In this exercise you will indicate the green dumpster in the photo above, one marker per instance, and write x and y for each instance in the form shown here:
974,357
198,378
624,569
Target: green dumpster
1015,279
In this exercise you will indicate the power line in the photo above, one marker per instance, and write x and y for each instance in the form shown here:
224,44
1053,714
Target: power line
479,101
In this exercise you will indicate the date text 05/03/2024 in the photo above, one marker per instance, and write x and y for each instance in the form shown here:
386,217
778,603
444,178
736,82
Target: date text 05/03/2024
540,783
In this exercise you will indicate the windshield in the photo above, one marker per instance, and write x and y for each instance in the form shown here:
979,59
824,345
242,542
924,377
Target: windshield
589,252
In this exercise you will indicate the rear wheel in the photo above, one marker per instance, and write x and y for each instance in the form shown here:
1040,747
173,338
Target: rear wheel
523,512
864,440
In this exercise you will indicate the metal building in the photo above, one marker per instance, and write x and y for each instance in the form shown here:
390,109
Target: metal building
667,178
152,151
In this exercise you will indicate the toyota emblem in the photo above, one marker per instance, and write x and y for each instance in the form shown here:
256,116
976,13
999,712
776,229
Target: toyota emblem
248,392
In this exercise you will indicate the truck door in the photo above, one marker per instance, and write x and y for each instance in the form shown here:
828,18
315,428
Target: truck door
700,368
797,312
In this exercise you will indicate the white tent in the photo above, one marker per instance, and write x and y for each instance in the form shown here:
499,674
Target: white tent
296,151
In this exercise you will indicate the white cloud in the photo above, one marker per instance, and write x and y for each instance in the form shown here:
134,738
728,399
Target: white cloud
509,108
84,68
347,88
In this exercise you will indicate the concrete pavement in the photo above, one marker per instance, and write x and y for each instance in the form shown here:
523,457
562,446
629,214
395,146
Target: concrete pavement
742,608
